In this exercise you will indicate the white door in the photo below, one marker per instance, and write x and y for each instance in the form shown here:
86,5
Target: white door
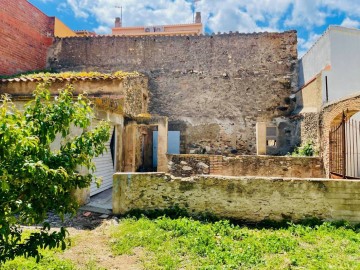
104,169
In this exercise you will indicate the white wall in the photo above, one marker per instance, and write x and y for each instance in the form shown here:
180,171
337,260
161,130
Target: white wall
315,60
345,62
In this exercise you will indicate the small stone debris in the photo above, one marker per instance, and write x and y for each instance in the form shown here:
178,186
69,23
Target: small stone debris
87,214
104,216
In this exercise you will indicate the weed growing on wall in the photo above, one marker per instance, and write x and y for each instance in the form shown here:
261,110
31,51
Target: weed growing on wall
307,149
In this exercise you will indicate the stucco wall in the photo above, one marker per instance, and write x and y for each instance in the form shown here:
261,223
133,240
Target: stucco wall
213,88
315,60
277,166
344,79
242,198
62,30
337,51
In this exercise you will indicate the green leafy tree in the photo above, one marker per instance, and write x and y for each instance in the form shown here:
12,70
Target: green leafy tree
34,179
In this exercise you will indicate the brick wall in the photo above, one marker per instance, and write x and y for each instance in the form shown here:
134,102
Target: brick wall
330,116
26,33
242,198
273,166
213,88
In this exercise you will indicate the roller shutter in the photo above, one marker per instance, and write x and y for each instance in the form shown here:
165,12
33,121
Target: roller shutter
104,169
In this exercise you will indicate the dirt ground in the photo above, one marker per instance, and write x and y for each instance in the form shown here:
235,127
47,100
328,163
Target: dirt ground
90,243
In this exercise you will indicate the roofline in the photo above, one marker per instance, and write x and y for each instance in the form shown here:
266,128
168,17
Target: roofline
330,29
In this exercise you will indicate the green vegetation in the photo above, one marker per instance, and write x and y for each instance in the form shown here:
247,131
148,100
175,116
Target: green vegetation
306,149
49,261
184,243
44,75
35,179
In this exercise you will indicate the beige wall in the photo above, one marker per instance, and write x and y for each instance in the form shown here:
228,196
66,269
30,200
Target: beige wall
242,198
310,96
181,29
62,30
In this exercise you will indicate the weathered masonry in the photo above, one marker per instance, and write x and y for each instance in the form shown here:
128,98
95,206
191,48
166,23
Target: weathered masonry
120,100
214,89
243,198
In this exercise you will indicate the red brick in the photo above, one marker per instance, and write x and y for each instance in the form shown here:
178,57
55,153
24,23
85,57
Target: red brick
24,42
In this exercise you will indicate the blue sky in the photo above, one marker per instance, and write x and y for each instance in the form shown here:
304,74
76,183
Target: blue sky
309,17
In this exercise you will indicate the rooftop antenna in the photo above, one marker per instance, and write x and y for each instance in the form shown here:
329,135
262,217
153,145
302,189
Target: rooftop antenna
121,16
194,9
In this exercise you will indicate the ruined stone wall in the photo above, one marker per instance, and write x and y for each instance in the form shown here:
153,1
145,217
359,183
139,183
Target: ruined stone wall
213,88
242,198
272,166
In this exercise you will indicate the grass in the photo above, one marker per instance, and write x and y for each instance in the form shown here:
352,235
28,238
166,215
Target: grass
50,261
185,243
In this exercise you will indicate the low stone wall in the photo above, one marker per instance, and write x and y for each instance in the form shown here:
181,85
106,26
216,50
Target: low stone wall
276,166
242,198
188,165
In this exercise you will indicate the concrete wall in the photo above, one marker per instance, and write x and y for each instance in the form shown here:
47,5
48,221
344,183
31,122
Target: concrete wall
315,60
26,33
242,198
345,58
213,88
338,52
301,167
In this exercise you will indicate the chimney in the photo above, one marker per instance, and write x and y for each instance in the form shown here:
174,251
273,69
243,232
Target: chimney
198,17
118,22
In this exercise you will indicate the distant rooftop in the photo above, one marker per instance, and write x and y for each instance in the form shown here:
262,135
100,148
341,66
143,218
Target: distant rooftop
195,28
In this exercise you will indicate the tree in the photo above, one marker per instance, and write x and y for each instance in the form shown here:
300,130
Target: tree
34,179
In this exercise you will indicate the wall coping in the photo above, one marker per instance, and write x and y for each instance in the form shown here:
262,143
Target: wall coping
242,156
222,177
182,36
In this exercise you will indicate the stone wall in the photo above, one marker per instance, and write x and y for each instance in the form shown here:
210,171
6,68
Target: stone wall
241,198
187,165
26,33
274,166
213,88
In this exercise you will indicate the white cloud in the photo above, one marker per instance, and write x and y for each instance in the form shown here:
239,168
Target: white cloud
347,22
306,44
79,8
224,15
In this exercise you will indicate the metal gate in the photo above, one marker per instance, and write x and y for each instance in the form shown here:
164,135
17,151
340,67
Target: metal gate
344,149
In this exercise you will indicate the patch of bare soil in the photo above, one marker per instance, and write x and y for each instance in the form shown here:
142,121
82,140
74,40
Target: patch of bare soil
90,244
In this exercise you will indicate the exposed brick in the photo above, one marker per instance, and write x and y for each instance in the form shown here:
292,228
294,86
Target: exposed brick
26,35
